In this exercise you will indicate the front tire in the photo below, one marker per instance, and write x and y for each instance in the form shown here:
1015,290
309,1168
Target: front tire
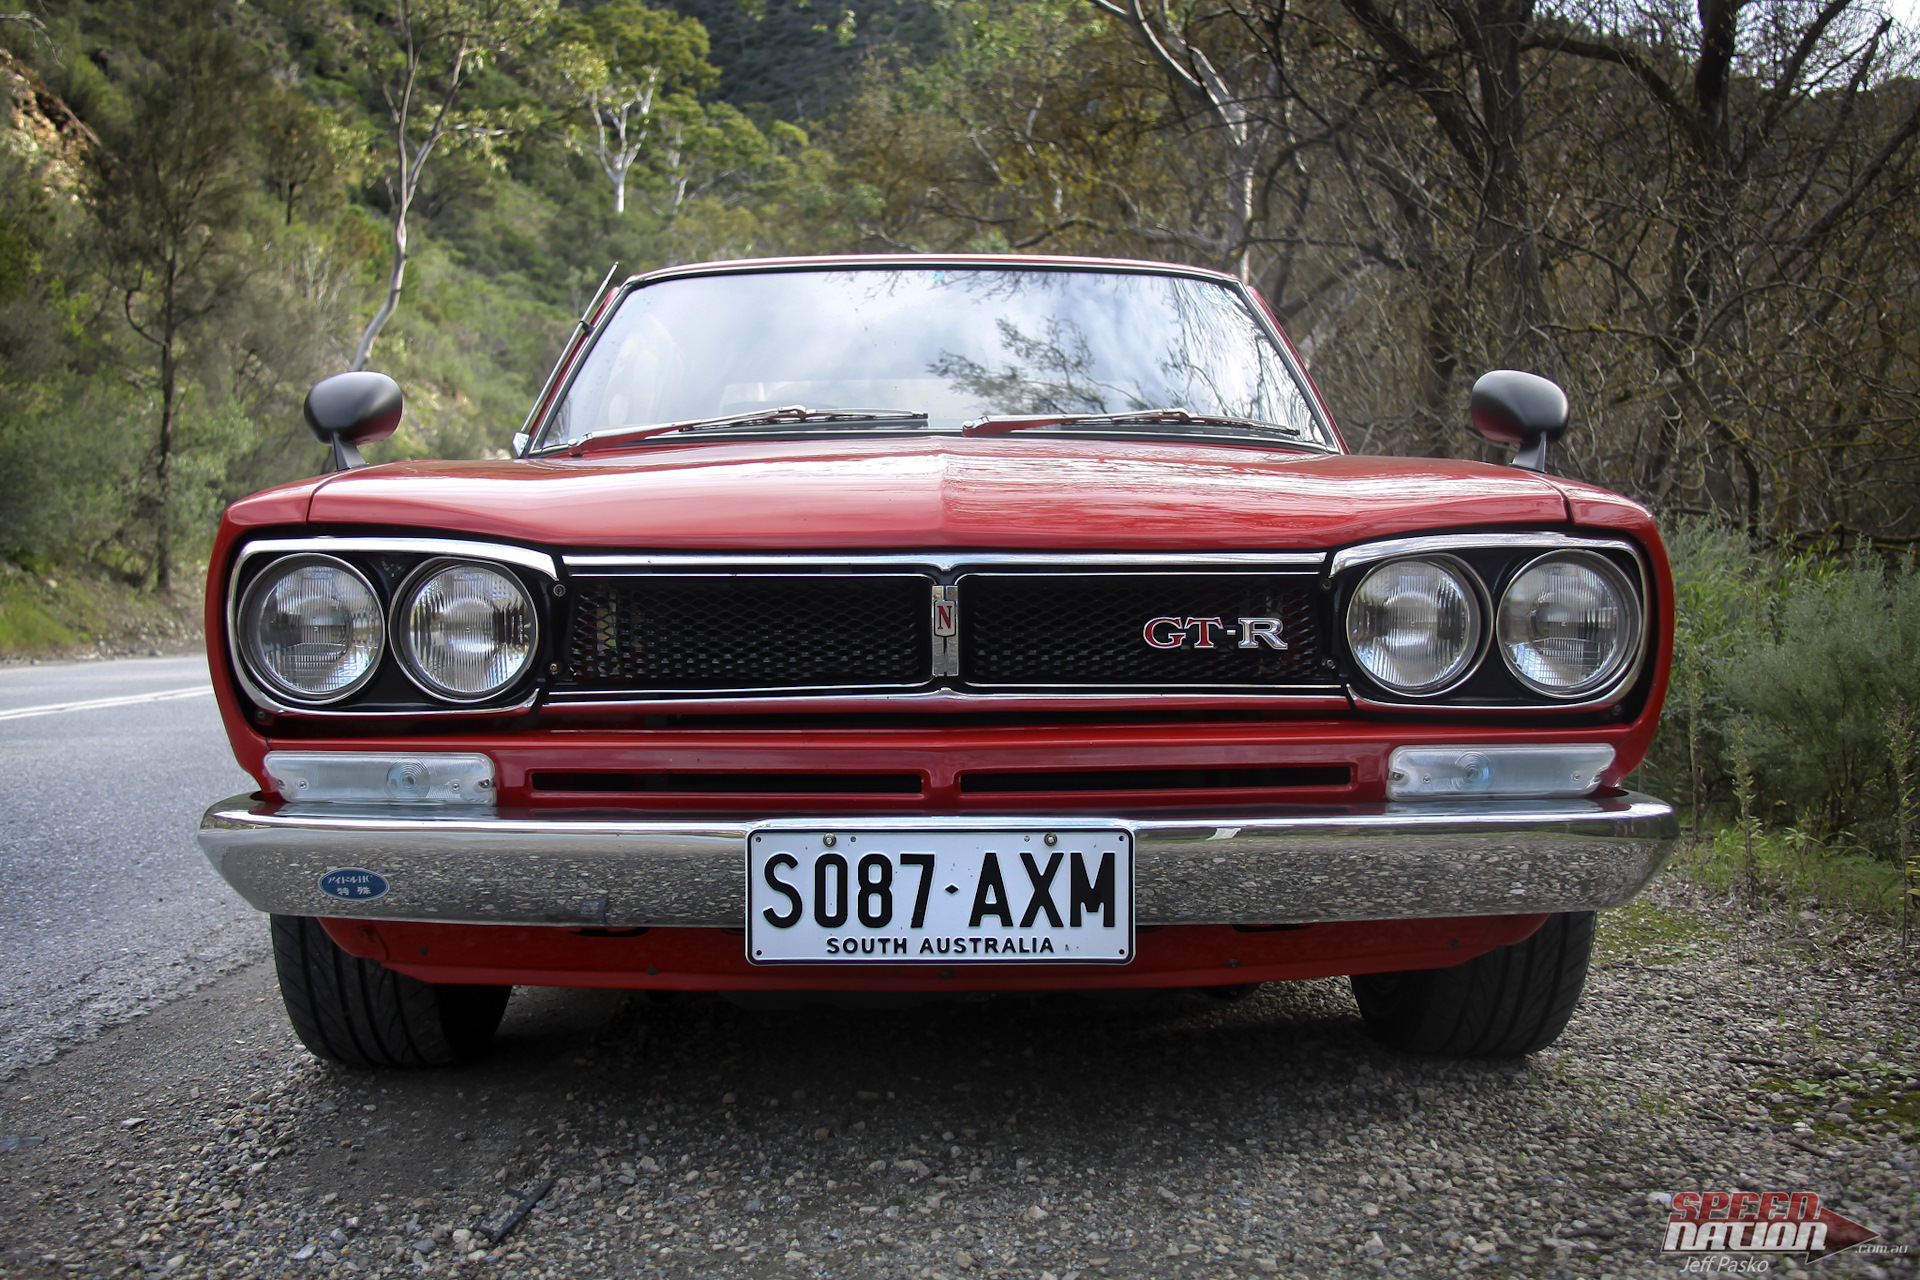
361,1014
1513,1000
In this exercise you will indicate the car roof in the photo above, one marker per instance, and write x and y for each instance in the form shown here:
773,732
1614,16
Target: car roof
924,261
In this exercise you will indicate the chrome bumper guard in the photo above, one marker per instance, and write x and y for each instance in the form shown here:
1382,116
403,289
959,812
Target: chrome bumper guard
1384,862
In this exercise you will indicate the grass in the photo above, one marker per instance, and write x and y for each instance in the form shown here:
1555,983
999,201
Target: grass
28,624
1795,872
1859,897
50,612
1645,932
1808,1102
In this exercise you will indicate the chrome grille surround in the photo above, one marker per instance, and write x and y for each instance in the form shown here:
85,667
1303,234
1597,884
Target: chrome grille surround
797,624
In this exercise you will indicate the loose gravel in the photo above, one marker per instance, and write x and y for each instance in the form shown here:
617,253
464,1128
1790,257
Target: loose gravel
1059,1139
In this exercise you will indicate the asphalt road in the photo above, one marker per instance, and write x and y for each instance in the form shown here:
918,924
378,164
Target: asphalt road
108,908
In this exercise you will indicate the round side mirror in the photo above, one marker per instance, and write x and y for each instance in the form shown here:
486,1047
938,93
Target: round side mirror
352,409
1520,409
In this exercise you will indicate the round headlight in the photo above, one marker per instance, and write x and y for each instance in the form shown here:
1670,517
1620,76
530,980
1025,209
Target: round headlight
464,631
311,630
1568,624
1414,625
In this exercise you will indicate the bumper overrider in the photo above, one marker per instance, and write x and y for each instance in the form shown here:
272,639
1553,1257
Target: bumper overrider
1382,862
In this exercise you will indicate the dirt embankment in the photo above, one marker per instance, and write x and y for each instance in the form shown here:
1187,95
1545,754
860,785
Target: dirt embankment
48,612
42,127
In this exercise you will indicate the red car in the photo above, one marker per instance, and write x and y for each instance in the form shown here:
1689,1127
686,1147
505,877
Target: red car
935,625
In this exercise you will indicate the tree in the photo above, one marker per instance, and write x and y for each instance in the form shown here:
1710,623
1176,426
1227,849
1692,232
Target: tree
300,144
169,191
428,53
621,64
1785,125
1232,103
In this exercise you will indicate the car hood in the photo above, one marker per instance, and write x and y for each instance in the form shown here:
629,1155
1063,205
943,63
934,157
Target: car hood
947,491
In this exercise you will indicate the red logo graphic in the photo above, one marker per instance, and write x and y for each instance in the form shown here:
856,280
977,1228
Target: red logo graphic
1172,633
1759,1222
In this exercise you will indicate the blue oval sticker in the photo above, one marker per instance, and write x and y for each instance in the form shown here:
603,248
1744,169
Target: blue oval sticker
353,884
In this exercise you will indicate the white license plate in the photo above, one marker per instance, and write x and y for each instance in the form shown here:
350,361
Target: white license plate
1032,896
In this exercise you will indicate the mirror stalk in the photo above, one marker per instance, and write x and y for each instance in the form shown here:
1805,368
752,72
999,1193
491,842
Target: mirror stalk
342,456
1532,455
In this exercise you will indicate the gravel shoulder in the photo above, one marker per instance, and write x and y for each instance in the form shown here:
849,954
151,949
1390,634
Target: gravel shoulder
1060,1137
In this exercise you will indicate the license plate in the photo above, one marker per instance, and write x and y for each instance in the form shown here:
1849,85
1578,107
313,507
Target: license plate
946,897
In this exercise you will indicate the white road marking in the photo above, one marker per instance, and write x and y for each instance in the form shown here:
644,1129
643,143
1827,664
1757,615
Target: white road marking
92,704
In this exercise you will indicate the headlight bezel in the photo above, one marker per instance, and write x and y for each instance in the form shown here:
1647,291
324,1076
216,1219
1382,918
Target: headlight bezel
1478,603
398,628
1625,661
246,629
385,560
1497,558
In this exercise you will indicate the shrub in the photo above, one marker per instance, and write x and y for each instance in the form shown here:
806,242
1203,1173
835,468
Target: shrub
1837,653
1807,655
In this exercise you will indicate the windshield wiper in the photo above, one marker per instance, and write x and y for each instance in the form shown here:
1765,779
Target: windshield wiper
785,415
998,426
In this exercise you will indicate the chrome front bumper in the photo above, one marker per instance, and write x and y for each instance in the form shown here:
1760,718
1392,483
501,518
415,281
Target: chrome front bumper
1383,862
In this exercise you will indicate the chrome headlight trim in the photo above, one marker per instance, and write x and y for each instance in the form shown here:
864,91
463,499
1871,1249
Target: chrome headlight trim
1543,541
397,625
1440,543
1481,617
262,695
243,630
1624,663
505,552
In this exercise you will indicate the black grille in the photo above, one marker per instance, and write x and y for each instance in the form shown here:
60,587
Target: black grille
1332,775
697,632
1087,629
764,784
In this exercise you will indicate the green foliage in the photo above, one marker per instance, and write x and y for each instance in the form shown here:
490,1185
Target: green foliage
267,203
45,609
1791,868
623,47
1645,932
56,383
1802,656
799,59
301,145
170,186
1840,649
634,74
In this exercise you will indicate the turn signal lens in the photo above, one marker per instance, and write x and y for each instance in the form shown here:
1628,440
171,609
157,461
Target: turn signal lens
1568,624
465,631
1439,773
311,630
378,778
1414,625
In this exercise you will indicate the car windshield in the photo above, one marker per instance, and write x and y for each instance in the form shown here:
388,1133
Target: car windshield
954,344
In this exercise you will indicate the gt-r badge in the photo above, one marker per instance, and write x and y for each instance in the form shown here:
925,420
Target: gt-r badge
1173,633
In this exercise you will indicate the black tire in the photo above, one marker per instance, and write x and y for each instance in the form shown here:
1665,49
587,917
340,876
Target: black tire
362,1014
1511,1001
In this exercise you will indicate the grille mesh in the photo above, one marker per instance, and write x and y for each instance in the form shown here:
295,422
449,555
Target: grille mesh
699,632
1086,629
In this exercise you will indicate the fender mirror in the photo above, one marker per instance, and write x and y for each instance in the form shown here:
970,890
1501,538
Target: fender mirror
1519,409
352,409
